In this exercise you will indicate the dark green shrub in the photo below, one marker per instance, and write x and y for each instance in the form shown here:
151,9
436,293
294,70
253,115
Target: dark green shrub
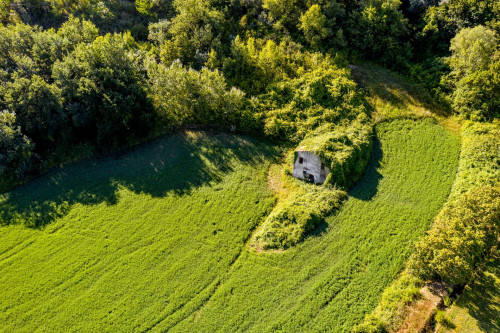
16,150
464,234
298,215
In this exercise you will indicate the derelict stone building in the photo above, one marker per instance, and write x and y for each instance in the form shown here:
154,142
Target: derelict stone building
310,167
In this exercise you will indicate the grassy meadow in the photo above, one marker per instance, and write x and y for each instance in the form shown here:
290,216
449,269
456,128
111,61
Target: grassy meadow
154,239
119,244
331,280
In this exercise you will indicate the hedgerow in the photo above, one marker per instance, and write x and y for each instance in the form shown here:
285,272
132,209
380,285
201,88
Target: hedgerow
300,214
479,163
464,232
462,239
468,227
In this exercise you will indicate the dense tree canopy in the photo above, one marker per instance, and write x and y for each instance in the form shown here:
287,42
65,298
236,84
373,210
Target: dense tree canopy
106,73
474,76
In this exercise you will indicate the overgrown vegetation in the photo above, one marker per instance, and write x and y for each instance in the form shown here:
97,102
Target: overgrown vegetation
345,150
297,216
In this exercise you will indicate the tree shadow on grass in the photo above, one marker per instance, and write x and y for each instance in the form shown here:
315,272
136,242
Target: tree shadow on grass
482,300
173,165
367,187
394,89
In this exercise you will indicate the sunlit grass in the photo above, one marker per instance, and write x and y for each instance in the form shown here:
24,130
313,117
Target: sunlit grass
143,236
337,275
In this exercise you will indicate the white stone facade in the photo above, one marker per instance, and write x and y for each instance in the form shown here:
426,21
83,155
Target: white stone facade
308,166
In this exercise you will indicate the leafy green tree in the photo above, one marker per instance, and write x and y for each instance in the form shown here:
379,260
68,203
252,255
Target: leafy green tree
5,11
102,92
474,78
313,25
380,32
15,54
144,7
75,31
16,150
283,13
194,31
442,22
32,51
37,106
471,50
185,96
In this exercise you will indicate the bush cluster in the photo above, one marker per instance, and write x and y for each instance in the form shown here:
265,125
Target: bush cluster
16,150
295,217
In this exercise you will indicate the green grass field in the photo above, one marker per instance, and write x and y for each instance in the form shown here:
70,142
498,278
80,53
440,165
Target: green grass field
154,239
132,239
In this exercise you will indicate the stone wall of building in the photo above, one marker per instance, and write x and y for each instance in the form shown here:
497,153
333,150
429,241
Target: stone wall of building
308,166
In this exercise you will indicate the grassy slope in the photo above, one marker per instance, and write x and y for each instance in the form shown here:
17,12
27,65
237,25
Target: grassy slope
333,279
148,239
392,95
478,308
129,240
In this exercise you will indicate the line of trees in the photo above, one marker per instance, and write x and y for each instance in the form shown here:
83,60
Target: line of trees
72,83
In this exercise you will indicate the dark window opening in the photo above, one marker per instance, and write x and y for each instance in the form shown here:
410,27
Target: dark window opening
322,166
304,174
301,160
311,178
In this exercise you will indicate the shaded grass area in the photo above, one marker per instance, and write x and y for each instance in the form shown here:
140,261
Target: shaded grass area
331,280
122,243
392,95
478,308
174,165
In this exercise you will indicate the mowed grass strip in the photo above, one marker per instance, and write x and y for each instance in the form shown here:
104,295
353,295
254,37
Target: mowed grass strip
329,282
124,243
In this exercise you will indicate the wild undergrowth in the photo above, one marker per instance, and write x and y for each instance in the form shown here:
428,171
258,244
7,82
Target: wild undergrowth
297,216
345,149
